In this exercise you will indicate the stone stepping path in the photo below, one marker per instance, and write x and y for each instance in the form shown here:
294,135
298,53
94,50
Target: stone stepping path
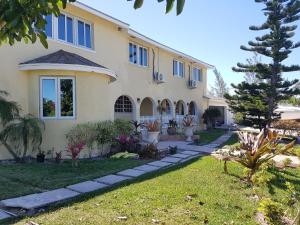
88,186
4,215
39,200
111,179
132,173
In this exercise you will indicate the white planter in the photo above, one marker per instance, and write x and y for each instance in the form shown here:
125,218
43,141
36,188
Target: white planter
189,132
153,137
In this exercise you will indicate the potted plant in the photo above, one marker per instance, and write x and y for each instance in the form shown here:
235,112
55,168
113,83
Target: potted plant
153,129
40,157
188,123
172,126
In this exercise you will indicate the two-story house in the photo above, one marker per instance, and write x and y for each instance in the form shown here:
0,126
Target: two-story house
97,68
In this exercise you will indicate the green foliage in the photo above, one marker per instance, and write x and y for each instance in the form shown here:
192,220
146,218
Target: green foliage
122,127
125,155
210,115
169,5
273,211
24,20
21,133
105,133
258,101
8,109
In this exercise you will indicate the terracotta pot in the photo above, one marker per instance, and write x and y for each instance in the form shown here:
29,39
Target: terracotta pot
189,132
153,137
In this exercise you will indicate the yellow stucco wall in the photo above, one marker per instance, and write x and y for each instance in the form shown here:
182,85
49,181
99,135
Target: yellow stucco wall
95,95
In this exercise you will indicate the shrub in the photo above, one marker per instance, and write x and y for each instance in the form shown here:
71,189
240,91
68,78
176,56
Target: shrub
105,133
272,211
74,149
210,115
122,127
150,151
173,150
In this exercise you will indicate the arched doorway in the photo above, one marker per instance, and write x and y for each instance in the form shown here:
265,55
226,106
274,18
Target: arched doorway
180,108
192,109
166,104
147,107
124,108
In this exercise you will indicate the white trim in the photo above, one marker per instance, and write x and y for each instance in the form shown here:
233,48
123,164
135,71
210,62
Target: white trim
178,62
162,46
67,67
57,98
134,33
100,14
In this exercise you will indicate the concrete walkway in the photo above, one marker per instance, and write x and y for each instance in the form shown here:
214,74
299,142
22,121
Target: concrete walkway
39,200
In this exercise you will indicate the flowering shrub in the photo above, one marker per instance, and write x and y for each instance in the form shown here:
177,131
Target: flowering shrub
74,149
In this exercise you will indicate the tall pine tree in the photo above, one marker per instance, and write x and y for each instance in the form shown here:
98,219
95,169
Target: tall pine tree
260,100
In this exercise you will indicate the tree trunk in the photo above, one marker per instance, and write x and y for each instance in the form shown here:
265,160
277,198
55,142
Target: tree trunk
225,167
10,150
25,143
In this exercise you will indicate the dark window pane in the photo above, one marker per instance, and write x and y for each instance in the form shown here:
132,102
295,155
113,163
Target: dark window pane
70,30
141,56
48,28
66,98
130,53
80,33
49,97
134,54
88,36
61,27
145,57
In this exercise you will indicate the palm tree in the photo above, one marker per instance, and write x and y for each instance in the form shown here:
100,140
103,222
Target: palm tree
21,133
8,109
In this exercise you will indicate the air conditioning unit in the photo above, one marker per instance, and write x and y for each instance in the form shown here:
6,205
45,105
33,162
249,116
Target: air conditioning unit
193,84
159,78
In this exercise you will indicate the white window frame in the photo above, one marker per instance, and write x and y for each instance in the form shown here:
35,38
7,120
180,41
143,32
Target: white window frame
75,31
138,55
57,98
199,70
52,27
178,62
84,32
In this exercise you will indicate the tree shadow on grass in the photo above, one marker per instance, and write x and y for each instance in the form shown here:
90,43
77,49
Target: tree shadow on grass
280,178
87,196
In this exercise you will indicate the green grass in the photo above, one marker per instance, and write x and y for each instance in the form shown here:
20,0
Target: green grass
209,136
22,179
233,140
163,197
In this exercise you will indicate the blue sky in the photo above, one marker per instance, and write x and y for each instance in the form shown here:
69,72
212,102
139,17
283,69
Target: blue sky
211,31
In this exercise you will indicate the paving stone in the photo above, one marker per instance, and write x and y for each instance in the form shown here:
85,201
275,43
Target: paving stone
39,200
181,156
87,186
188,159
132,173
4,215
171,159
190,153
159,164
111,179
146,168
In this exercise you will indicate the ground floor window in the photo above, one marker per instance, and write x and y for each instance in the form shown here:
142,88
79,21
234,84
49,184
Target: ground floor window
123,105
57,97
180,108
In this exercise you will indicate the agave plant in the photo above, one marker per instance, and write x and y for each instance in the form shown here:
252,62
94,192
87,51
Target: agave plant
22,133
255,150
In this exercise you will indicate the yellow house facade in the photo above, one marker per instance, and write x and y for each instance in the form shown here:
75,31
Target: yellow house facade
97,68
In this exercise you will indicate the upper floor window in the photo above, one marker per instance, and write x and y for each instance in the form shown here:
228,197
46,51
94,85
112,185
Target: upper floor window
178,68
84,34
57,98
69,29
138,55
49,26
197,74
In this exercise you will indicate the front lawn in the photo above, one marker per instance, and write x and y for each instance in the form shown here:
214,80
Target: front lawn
206,137
22,179
190,194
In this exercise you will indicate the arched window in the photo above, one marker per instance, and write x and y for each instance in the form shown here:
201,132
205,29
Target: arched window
123,105
180,108
192,109
165,103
